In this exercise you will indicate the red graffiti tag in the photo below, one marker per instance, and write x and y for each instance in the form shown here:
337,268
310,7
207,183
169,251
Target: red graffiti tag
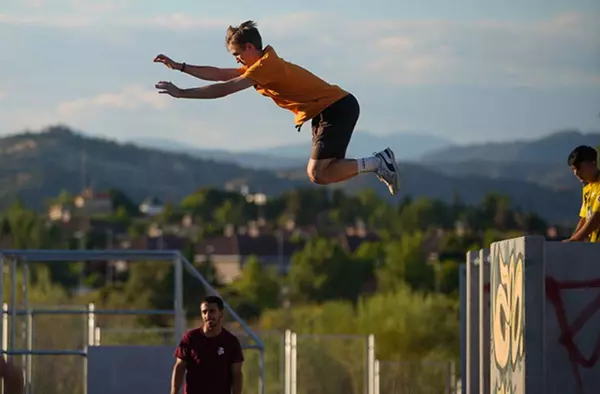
568,332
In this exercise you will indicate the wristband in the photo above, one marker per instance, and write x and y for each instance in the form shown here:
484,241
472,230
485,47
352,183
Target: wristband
182,67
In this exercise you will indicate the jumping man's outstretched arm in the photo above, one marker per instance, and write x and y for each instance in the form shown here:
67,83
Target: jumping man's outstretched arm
212,91
207,73
210,73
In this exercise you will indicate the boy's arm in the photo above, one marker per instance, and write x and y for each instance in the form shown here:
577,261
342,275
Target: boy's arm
212,91
588,227
210,73
207,73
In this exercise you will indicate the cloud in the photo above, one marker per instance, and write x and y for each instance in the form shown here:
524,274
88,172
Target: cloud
60,21
103,6
2,95
130,98
85,14
561,51
33,3
557,51
67,13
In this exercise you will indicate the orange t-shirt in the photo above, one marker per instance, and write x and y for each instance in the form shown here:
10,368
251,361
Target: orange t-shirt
291,87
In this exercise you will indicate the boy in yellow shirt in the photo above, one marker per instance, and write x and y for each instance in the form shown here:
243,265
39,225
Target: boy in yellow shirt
583,161
332,111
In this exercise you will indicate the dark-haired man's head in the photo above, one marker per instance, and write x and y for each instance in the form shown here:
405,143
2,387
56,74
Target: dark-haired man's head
212,314
244,43
583,160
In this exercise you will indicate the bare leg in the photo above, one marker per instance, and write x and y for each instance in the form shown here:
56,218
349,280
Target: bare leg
328,171
383,164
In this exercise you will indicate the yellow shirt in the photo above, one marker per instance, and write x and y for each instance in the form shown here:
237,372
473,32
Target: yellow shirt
291,87
591,205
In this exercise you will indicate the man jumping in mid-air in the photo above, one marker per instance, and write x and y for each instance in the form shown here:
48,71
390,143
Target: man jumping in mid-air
333,112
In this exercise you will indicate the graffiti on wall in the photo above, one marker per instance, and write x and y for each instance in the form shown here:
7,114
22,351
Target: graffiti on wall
568,331
507,372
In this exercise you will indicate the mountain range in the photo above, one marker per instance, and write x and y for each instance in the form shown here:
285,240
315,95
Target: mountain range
37,166
541,161
407,146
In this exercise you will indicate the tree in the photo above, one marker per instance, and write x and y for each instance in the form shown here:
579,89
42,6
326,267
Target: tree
121,201
405,263
65,197
229,213
324,271
257,288
407,324
421,214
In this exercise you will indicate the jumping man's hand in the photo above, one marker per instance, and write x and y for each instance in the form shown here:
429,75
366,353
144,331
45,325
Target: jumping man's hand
167,61
165,87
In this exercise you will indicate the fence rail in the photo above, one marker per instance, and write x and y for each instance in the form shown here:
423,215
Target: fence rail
29,348
56,358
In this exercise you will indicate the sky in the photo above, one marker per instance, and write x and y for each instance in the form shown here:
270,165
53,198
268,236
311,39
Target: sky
466,70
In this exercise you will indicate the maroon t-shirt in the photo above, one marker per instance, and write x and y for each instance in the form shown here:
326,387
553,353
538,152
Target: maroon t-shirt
208,361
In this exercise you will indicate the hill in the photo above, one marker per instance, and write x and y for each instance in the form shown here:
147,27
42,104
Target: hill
407,146
553,148
37,166
558,206
542,161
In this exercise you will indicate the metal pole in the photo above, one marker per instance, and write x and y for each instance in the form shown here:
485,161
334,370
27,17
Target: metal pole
283,364
4,336
376,376
29,372
5,329
178,298
90,325
26,323
261,381
13,304
366,368
371,361
294,364
2,327
287,374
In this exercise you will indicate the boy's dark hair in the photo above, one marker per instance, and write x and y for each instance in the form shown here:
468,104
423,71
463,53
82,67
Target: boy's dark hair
582,154
243,34
214,300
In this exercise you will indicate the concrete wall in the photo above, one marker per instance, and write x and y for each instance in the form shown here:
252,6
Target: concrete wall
472,337
462,286
514,270
474,321
130,369
544,318
572,318
483,320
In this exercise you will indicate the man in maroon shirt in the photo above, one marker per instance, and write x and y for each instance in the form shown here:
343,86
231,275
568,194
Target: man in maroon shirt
11,376
210,357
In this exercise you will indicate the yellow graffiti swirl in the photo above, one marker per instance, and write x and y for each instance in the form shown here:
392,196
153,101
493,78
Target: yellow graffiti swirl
516,308
502,308
508,311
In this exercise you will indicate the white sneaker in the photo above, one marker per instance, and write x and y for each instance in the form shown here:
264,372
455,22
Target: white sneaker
388,172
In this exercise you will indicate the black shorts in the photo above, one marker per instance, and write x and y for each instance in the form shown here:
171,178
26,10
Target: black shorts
333,127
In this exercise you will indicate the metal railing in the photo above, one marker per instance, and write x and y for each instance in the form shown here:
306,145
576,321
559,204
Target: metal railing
357,364
25,257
